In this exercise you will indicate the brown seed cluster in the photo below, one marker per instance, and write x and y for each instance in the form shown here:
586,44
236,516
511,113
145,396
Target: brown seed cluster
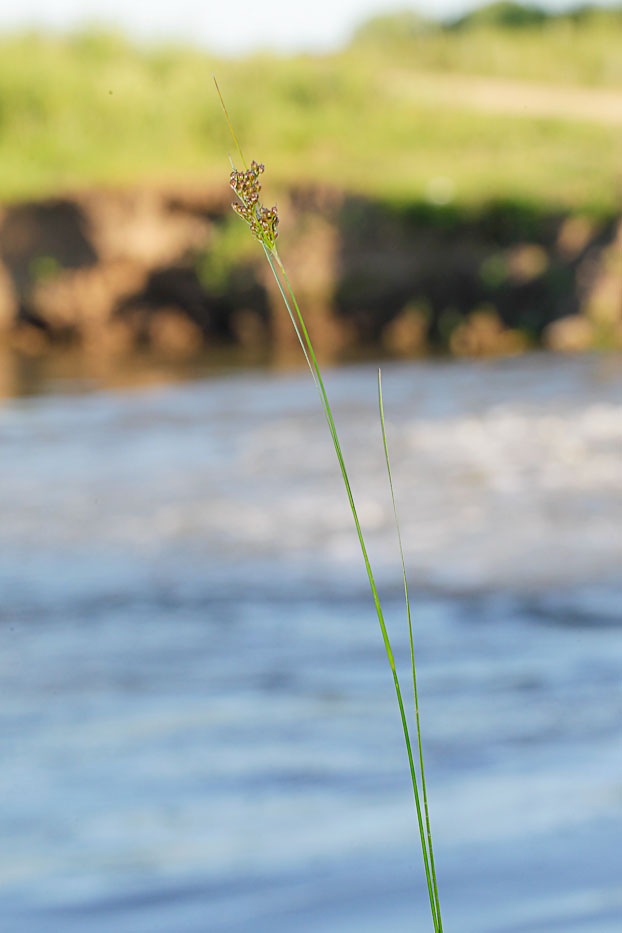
262,221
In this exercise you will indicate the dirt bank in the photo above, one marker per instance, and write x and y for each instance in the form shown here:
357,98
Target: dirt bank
171,271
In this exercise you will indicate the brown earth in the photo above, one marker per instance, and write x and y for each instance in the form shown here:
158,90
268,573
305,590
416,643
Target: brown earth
105,272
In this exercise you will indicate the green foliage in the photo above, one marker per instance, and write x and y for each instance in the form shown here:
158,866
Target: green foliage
43,268
230,246
389,119
590,14
100,45
504,14
93,108
393,28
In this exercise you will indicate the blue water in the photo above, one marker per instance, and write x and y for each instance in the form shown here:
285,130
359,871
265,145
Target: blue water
199,731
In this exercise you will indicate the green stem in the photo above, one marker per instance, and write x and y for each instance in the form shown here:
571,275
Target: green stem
309,353
229,123
412,653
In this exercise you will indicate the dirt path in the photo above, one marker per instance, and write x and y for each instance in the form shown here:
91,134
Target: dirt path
519,98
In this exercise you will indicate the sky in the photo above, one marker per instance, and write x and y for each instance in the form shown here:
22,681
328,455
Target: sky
228,27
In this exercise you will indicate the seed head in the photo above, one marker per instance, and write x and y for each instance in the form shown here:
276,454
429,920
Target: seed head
263,221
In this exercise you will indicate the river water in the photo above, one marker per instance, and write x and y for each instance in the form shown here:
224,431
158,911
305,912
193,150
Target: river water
199,731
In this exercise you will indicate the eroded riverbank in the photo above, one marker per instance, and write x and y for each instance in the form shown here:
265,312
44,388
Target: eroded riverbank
172,273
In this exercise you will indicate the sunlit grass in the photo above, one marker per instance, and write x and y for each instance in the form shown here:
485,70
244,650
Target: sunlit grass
560,51
93,109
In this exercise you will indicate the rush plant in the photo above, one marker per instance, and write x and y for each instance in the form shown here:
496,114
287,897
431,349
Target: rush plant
263,224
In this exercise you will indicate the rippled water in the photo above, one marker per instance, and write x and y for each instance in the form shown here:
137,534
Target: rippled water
198,726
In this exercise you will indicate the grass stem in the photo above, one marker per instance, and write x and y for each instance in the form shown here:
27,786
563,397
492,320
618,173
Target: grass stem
304,339
412,652
263,225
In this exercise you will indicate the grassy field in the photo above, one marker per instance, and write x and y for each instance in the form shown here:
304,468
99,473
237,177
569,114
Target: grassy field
465,116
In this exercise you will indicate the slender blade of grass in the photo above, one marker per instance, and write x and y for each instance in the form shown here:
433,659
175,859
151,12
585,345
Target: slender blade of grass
300,328
412,654
296,316
229,123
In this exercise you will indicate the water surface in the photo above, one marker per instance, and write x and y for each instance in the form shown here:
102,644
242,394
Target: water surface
198,724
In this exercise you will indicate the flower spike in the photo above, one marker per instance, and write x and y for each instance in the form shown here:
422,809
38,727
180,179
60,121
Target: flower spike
263,221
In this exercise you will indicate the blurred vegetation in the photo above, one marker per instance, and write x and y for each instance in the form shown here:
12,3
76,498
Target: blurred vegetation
380,117
505,14
394,28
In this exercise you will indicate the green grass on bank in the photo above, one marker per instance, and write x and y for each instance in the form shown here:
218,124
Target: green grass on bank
380,117
563,49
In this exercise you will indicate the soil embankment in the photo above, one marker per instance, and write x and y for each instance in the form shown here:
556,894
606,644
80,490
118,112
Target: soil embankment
172,271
